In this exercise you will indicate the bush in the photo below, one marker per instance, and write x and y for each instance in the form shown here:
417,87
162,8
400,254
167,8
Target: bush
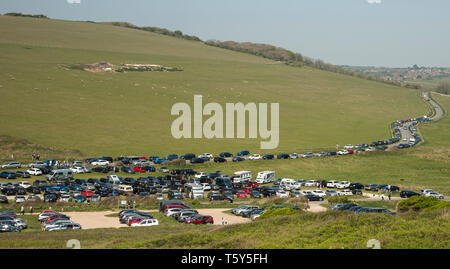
278,212
419,203
338,200
195,202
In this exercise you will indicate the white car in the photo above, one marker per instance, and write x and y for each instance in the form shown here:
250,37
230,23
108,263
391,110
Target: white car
319,193
77,169
77,163
255,157
200,174
434,194
342,185
345,192
206,156
311,183
86,169
281,194
294,155
206,187
425,191
65,198
34,171
370,149
332,183
348,146
305,192
342,152
171,211
146,222
25,184
100,162
20,199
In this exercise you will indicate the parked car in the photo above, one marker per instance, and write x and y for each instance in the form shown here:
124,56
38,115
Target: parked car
145,222
408,193
200,220
11,165
238,159
243,153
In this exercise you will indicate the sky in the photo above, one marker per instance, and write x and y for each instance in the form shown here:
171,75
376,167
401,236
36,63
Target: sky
390,33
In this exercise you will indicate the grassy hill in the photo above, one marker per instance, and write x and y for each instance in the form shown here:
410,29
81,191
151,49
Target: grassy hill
48,103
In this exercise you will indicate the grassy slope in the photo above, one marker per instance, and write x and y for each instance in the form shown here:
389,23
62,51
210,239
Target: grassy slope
130,113
307,230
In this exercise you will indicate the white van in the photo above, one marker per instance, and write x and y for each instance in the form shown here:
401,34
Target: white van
288,183
125,189
265,177
60,174
242,176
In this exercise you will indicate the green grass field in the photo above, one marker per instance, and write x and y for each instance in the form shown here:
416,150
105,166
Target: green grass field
129,113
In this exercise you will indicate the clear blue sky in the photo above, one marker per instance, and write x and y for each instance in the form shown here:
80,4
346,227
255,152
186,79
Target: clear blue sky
394,33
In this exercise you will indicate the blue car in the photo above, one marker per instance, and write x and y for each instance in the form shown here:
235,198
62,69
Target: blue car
8,175
171,157
243,153
158,161
150,168
80,198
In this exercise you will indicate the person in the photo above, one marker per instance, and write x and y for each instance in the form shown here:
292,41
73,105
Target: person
389,195
31,210
223,221
382,197
38,157
306,205
62,209
22,210
33,157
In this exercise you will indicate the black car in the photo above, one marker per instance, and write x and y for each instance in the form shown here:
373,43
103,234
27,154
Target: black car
283,156
356,186
219,159
268,157
341,207
50,198
225,155
268,191
176,195
312,197
3,199
356,192
197,160
331,153
187,156
255,194
408,193
127,169
23,174
100,169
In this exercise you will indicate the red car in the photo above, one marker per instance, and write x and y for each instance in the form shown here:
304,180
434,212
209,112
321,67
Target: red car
143,158
241,194
200,220
252,184
139,169
134,220
350,151
247,190
87,193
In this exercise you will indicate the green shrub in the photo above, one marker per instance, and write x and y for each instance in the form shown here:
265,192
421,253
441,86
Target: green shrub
419,203
278,212
338,200
195,202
